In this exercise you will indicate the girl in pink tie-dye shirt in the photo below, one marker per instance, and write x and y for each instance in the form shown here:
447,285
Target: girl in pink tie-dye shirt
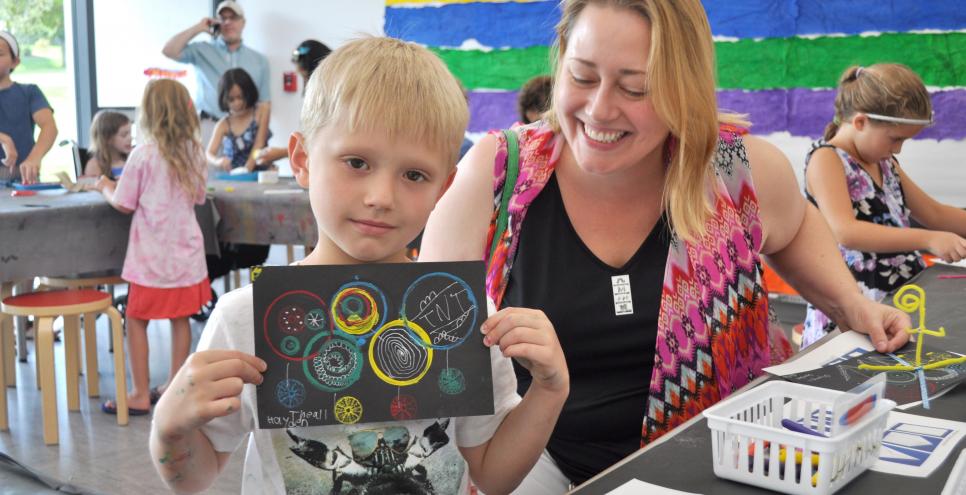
165,262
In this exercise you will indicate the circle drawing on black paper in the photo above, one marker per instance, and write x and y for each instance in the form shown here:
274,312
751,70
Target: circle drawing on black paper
348,410
315,320
444,306
286,319
291,345
403,407
358,308
337,363
395,356
452,381
290,393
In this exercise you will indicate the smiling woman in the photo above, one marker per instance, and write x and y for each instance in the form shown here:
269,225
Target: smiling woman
635,224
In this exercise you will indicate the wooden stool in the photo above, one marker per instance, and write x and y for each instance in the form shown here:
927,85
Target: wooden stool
90,280
8,357
44,307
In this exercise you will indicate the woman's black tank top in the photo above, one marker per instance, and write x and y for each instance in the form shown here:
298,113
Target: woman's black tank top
609,356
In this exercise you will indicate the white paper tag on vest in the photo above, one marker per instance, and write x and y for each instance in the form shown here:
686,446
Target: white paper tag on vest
623,305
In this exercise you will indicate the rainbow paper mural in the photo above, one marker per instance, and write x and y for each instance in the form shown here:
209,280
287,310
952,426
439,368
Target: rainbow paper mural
778,60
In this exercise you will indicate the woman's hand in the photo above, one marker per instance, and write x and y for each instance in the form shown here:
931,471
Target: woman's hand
886,326
528,336
208,386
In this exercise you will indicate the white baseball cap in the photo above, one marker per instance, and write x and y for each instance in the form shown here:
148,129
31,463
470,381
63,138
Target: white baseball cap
232,6
14,47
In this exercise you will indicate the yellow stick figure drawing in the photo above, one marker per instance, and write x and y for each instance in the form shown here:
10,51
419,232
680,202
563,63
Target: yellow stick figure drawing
911,298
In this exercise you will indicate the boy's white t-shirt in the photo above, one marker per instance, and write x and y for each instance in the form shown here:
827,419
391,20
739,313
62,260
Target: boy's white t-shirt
361,457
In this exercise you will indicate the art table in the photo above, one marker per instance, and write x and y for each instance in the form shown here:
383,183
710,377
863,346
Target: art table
54,233
682,460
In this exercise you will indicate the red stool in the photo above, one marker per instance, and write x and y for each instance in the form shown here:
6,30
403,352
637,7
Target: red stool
44,307
93,280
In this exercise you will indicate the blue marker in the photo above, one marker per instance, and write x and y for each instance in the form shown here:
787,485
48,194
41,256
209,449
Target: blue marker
800,428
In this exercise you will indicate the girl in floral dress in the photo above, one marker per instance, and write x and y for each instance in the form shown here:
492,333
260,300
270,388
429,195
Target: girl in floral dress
853,176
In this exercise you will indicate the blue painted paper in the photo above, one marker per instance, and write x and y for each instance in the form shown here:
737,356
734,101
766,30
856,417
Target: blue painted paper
495,25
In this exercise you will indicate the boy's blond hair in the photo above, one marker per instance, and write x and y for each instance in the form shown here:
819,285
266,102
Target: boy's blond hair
391,86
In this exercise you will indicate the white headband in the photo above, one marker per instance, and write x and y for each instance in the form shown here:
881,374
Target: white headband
900,120
14,47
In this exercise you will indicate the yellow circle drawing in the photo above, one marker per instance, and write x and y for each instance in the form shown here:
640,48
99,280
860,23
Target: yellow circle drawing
418,330
348,410
353,323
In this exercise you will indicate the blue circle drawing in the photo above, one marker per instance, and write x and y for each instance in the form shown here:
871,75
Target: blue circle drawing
444,306
290,393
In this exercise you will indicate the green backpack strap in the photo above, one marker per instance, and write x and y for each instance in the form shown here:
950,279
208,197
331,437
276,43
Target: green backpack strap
512,170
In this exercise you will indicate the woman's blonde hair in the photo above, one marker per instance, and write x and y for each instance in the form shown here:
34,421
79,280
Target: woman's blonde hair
104,126
681,86
893,90
391,86
168,117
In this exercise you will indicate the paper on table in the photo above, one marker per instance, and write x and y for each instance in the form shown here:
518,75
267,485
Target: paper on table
636,487
916,445
956,483
846,345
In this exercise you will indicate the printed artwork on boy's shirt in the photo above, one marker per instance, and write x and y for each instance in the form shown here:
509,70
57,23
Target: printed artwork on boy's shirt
416,457
353,344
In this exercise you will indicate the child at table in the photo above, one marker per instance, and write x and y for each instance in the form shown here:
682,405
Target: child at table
110,144
22,106
163,180
854,178
244,131
381,127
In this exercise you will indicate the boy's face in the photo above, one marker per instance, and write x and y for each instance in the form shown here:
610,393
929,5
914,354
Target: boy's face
370,195
7,62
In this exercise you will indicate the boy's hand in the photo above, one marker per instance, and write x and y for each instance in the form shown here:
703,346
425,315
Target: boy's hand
208,386
29,171
528,336
9,150
250,165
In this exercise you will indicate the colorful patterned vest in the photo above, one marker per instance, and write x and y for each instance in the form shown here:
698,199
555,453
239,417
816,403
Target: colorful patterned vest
714,332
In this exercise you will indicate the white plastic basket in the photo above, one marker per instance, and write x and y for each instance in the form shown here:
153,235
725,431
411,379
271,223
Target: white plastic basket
742,424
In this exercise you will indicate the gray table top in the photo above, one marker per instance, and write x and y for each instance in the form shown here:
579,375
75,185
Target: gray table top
56,233
682,461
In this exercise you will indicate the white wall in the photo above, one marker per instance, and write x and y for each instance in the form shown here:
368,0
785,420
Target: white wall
275,28
938,167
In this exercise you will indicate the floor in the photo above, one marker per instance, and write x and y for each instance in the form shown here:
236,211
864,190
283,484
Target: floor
95,455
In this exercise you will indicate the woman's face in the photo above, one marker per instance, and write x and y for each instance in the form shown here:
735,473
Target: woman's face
602,100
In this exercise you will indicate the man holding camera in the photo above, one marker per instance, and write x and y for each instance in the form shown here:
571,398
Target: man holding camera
212,58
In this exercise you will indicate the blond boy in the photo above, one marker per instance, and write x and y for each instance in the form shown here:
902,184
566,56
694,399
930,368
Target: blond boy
382,124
